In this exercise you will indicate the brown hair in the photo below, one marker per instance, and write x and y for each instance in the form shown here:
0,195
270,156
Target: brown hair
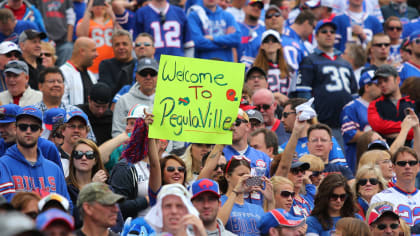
262,61
350,226
404,149
175,158
21,199
411,88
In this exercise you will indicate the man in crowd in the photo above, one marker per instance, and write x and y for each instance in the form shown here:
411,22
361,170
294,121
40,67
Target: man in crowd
144,46
264,140
9,51
77,79
412,67
356,56
255,79
30,44
383,219
274,19
280,222
393,28
378,52
24,10
23,161
10,28
206,199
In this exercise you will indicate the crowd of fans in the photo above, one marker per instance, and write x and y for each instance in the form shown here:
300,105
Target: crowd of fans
326,140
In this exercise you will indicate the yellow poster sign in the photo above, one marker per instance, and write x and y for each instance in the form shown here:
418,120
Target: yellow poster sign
196,100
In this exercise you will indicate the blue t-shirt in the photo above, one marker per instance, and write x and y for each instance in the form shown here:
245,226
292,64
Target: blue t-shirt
303,206
408,70
21,25
243,219
315,228
332,168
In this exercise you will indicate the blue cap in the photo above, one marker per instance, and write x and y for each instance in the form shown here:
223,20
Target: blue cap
8,113
204,185
278,217
324,22
367,78
29,111
296,163
75,113
378,145
137,226
52,116
414,35
53,215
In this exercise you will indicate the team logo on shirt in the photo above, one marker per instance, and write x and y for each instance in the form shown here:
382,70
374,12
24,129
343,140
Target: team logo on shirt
260,163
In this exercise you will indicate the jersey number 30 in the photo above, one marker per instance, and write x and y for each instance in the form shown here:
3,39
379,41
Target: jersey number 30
339,78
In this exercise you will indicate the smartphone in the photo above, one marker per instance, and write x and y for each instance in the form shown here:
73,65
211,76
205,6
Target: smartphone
407,111
254,181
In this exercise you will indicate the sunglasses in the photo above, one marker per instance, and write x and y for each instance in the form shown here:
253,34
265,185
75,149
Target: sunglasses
145,73
24,127
12,54
221,166
79,154
286,114
47,54
172,169
270,39
392,28
335,197
277,14
146,44
404,163
363,182
416,41
384,226
379,45
287,194
263,106
296,171
238,122
325,31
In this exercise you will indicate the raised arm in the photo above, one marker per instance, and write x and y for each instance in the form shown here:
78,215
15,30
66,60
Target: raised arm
211,162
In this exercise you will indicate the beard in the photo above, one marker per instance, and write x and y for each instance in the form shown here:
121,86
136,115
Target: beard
26,144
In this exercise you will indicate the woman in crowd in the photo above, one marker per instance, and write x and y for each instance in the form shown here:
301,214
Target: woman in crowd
283,190
239,216
382,159
333,201
315,170
48,54
369,181
26,203
192,158
349,226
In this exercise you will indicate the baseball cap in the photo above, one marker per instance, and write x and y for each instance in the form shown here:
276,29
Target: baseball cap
242,115
76,113
136,111
323,23
377,210
256,115
100,93
385,71
52,116
272,8
366,78
313,3
16,67
271,32
147,63
98,192
255,69
327,3
414,35
278,217
378,145
8,113
259,2
29,111
53,197
8,46
53,215
296,163
204,185
31,34
14,223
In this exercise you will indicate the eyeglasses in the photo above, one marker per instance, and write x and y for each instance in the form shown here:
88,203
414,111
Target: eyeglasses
57,135
363,182
146,44
263,106
12,54
325,31
404,163
162,18
145,73
296,171
47,54
172,169
392,28
287,194
72,126
255,124
24,127
221,166
379,45
416,41
79,154
322,140
238,122
277,14
53,81
286,114
270,39
384,226
335,197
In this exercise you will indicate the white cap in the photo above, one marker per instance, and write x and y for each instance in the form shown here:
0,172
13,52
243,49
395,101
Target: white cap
136,111
312,3
327,3
272,33
8,46
54,197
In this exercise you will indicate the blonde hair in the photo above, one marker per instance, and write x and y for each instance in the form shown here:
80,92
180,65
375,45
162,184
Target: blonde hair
373,156
277,181
50,48
351,226
369,169
316,164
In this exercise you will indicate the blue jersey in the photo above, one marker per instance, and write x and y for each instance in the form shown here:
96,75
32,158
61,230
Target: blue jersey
344,22
21,25
408,69
250,43
243,219
303,204
394,54
289,32
353,118
79,9
331,81
410,27
127,20
331,168
294,51
336,154
169,28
